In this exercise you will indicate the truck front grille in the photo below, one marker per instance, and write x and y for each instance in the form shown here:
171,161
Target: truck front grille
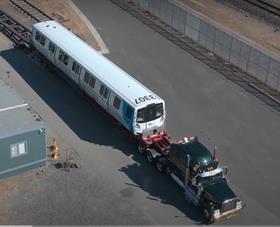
229,205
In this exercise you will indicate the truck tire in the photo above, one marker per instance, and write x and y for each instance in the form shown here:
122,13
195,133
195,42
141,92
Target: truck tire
208,215
150,157
160,166
168,169
141,149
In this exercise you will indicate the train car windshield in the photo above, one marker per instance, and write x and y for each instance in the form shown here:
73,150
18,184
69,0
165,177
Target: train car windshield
149,113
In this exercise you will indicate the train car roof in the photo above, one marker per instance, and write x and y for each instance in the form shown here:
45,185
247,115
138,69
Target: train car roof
106,71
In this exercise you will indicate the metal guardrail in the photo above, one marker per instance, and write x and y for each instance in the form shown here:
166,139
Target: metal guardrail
18,33
31,10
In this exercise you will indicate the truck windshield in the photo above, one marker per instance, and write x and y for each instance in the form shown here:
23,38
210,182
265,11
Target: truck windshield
210,179
149,113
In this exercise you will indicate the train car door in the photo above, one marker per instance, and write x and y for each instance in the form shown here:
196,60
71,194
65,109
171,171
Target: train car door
90,85
104,96
62,61
75,70
51,52
114,105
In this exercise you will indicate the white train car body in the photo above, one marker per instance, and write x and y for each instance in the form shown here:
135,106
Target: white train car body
137,108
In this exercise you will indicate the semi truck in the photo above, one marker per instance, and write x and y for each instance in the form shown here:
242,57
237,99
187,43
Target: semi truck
197,171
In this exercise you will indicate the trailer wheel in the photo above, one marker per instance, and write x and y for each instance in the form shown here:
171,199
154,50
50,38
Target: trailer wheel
150,157
141,149
168,169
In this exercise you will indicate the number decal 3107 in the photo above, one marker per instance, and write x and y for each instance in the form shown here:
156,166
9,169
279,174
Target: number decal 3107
144,99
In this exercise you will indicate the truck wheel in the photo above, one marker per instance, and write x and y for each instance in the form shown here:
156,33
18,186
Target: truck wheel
141,149
160,166
208,216
150,157
168,169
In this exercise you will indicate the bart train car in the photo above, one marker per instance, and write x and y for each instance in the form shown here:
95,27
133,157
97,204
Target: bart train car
137,108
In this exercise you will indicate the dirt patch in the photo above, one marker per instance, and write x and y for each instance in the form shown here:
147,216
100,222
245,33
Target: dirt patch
240,23
10,186
61,11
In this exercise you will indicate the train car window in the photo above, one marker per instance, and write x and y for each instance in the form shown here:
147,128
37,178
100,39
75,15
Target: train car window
86,77
66,58
101,90
51,47
37,36
128,113
159,110
92,82
141,116
117,102
42,40
60,56
63,57
105,93
76,68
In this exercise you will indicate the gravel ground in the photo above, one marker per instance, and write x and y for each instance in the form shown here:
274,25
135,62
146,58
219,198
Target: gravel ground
61,11
237,21
258,13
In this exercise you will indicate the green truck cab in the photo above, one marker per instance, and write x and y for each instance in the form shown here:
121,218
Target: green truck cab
204,181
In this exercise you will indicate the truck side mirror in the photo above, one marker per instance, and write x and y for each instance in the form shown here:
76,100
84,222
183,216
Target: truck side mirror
215,159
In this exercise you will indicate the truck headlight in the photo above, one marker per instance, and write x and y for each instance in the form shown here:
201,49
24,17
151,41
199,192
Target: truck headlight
137,126
239,204
216,213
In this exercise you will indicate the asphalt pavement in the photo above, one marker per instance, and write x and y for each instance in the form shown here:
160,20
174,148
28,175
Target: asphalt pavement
202,102
116,185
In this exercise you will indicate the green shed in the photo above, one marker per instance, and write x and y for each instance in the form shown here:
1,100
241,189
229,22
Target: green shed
22,135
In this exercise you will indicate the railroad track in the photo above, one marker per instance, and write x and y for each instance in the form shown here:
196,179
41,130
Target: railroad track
18,33
13,29
32,11
270,8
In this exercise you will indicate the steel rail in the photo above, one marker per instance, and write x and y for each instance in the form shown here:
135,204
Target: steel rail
31,10
18,33
265,6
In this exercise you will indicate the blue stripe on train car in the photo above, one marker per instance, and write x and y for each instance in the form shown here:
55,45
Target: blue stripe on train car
128,121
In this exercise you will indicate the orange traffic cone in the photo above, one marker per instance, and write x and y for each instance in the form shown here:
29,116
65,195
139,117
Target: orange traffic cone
55,149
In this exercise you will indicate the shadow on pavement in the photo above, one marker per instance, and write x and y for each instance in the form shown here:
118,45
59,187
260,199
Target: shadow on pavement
89,123
160,187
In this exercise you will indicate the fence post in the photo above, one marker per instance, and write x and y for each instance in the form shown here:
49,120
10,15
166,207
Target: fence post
248,58
268,69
